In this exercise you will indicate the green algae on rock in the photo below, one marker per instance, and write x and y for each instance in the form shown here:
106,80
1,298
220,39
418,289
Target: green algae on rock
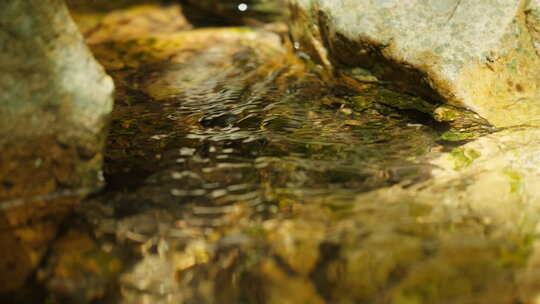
437,49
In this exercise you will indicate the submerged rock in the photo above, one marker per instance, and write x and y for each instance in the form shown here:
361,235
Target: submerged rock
79,270
54,105
479,55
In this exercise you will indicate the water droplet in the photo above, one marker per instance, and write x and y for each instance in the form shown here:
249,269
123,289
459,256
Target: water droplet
242,7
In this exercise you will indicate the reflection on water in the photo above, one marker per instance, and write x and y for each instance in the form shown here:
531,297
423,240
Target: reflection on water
243,131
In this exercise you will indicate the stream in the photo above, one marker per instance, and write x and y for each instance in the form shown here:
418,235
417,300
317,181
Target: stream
238,173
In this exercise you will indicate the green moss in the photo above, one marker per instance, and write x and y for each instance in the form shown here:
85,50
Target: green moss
516,180
463,158
456,136
402,101
361,103
380,95
446,113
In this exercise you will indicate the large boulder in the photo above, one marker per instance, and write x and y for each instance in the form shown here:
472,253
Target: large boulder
478,55
54,103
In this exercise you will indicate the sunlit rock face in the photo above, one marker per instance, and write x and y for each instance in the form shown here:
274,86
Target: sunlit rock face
54,104
474,54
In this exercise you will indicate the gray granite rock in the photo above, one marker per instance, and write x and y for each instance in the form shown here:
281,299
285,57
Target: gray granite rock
474,54
54,102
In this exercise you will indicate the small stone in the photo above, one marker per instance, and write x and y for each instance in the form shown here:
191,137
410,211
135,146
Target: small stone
352,122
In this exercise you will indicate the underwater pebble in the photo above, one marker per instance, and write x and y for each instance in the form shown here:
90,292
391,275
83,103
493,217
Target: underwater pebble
218,193
187,151
180,175
239,187
159,137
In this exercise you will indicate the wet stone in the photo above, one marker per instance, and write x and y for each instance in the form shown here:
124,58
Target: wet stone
54,107
79,270
481,55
